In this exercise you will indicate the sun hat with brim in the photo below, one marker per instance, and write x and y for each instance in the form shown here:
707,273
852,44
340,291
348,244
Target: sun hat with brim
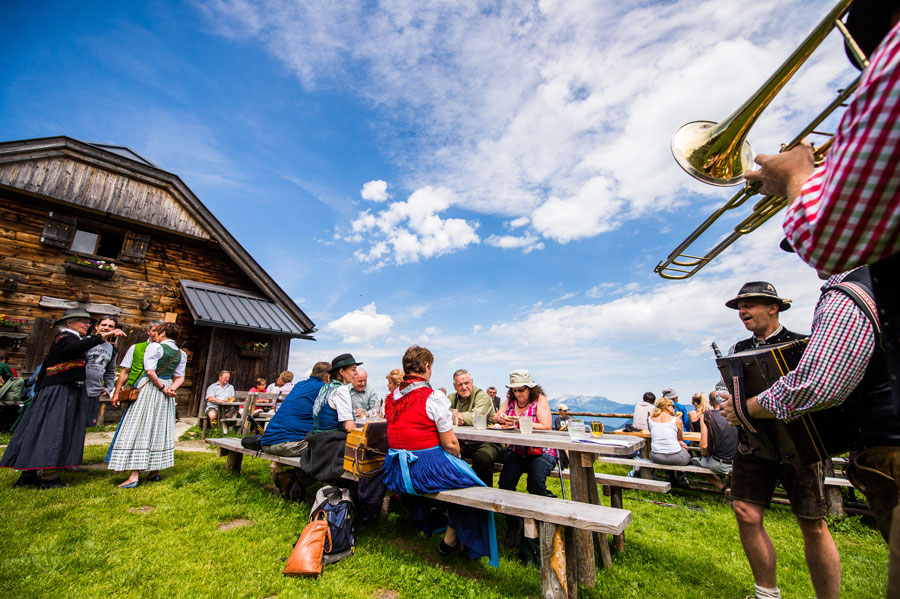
562,406
520,378
72,313
670,394
759,290
344,360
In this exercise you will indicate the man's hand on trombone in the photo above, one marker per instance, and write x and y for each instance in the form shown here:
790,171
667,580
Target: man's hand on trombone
784,174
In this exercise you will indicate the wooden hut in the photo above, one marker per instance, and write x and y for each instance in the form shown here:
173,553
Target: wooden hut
100,227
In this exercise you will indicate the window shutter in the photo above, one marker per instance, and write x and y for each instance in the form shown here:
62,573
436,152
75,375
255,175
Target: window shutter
59,230
134,248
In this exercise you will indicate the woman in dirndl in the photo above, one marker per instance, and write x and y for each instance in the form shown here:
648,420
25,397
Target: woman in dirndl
50,435
424,458
145,441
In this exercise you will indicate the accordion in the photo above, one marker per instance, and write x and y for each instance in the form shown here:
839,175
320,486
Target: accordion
811,438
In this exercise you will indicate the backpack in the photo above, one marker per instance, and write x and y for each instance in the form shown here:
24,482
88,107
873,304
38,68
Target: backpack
340,512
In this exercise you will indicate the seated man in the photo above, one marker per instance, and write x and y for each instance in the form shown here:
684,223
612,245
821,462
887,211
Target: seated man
287,430
471,400
718,440
561,421
219,392
364,398
642,411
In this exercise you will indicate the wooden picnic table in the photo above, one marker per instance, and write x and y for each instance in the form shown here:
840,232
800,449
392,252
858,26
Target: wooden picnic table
645,451
581,479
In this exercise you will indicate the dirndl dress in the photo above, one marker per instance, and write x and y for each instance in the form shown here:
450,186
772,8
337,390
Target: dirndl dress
51,431
432,470
145,439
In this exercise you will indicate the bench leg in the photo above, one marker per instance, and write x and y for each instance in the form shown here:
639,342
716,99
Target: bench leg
233,463
554,567
581,479
615,500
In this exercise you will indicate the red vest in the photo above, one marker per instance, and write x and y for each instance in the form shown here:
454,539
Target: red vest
408,425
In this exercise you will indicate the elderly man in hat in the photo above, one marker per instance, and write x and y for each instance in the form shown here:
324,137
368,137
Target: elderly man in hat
333,408
754,478
759,307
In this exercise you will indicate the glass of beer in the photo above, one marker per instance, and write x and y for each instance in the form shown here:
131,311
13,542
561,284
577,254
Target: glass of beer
596,428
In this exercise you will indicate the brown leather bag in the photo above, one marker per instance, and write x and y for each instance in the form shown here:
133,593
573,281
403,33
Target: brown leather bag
306,558
366,448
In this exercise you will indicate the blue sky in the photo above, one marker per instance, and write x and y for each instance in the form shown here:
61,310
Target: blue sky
492,180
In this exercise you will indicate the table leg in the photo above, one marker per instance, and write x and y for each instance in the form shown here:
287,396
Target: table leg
594,496
615,500
584,542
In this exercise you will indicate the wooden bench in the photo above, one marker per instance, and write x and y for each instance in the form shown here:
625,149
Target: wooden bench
545,518
552,521
612,487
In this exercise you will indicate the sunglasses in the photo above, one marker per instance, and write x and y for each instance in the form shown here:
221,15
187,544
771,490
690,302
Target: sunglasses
518,389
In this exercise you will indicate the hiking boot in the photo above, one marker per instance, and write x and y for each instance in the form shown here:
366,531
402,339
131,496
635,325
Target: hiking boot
28,478
444,549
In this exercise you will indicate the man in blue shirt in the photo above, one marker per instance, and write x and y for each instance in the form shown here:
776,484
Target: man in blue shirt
285,435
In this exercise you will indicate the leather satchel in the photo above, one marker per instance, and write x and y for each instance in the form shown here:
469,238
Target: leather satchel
306,558
366,449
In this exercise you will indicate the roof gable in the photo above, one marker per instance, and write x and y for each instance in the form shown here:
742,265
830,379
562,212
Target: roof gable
108,180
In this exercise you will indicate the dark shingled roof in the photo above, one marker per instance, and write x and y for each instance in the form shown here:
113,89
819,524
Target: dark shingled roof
217,306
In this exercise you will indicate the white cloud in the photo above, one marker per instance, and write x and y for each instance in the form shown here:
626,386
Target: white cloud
545,113
374,191
361,325
527,243
411,230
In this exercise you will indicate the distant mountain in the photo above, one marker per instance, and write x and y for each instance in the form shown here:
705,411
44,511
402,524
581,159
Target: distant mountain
596,403
591,403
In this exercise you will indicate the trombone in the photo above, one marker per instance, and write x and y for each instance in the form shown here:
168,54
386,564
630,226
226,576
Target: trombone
718,153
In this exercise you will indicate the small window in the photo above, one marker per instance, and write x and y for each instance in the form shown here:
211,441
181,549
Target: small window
107,245
85,242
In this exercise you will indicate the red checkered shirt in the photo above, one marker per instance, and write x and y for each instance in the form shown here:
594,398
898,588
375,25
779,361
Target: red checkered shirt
848,213
834,362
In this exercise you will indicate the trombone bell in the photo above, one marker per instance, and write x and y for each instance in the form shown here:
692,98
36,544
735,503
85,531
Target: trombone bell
703,149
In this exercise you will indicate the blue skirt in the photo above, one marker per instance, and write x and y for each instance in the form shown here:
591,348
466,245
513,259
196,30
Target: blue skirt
432,470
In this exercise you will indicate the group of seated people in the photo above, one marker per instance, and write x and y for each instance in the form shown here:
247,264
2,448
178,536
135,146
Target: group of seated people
222,391
425,455
666,419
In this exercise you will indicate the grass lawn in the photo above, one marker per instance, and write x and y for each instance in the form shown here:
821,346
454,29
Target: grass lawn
173,539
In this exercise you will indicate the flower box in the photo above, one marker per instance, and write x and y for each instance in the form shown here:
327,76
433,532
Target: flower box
249,353
91,271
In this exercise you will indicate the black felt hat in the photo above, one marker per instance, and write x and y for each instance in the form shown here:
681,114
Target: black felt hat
342,361
759,290
73,313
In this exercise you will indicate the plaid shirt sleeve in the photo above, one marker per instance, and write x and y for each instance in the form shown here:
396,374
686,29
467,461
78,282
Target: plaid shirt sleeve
848,213
833,364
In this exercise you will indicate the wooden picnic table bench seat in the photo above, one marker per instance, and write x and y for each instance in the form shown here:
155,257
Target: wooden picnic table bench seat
546,518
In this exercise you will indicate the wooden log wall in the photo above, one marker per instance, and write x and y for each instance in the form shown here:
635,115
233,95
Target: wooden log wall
38,270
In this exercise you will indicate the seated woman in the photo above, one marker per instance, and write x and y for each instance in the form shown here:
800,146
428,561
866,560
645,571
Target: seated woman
700,406
524,398
666,435
424,458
